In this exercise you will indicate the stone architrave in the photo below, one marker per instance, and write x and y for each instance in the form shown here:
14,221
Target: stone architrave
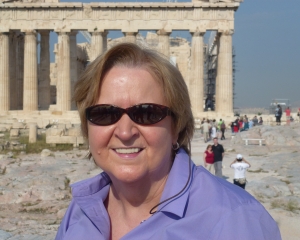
97,45
44,71
196,79
30,92
224,84
4,72
130,37
164,42
63,74
20,72
13,69
73,64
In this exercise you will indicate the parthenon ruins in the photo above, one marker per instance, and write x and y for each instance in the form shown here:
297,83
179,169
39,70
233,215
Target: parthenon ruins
25,80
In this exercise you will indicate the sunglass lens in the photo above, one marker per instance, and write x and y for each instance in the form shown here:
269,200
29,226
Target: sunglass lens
104,115
146,114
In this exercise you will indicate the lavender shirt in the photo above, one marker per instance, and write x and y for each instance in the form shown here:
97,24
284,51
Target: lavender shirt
210,208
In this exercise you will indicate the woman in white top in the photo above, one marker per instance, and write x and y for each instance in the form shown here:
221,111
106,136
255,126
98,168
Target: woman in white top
240,166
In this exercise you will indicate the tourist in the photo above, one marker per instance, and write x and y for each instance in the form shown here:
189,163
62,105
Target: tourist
298,114
250,123
246,125
255,121
288,115
240,165
236,126
218,157
260,121
208,158
241,123
213,132
205,127
136,114
223,128
278,114
219,126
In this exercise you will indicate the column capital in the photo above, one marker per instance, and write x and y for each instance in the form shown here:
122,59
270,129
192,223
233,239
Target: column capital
197,32
130,33
164,32
226,32
29,31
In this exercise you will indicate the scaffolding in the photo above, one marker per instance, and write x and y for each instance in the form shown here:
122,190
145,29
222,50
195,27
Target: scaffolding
210,66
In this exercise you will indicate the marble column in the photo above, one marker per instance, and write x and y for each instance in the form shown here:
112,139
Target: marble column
20,72
4,72
73,64
164,42
224,84
97,45
13,69
196,87
104,34
130,37
63,77
44,71
30,92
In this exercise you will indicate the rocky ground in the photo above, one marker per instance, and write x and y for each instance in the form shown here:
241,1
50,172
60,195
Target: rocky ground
35,192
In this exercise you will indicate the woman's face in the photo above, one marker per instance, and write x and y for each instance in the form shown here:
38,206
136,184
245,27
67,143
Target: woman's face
127,151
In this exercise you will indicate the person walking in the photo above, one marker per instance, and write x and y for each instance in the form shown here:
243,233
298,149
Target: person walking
240,165
288,115
223,128
205,127
208,158
278,113
218,157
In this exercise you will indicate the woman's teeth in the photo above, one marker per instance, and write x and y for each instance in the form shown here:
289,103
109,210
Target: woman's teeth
127,150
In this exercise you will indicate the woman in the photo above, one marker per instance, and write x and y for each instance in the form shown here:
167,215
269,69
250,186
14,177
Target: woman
260,121
136,115
208,158
240,165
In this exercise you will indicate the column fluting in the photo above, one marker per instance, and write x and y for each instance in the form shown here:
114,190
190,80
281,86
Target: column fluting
44,71
196,80
97,45
63,76
30,91
224,87
164,42
4,72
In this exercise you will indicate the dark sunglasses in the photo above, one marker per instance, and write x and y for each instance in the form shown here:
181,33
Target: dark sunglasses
143,114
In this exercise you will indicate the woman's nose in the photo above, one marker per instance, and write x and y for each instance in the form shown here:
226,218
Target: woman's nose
126,129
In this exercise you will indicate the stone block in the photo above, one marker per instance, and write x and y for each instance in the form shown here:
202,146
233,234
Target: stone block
18,125
74,131
61,140
14,132
32,133
54,132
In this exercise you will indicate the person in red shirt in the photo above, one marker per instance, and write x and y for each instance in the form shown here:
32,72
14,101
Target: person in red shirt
208,158
288,115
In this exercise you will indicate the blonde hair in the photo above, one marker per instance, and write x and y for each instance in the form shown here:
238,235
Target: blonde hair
87,88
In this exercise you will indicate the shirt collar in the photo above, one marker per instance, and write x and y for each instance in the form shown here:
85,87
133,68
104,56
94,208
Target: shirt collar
177,179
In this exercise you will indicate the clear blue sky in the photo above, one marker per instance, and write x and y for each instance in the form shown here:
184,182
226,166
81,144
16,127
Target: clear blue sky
267,44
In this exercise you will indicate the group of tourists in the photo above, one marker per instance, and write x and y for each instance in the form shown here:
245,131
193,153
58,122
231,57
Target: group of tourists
243,123
213,157
212,129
